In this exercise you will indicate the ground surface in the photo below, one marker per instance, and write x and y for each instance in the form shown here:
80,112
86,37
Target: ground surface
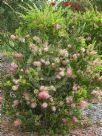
94,128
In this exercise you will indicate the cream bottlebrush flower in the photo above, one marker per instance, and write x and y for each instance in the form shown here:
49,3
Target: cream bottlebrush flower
43,88
93,52
51,99
16,81
15,87
58,77
37,63
45,48
47,63
22,39
44,105
83,50
53,88
57,61
37,39
28,102
69,99
76,87
76,55
69,46
13,37
63,53
53,108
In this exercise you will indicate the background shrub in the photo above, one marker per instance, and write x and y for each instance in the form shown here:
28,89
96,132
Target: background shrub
54,69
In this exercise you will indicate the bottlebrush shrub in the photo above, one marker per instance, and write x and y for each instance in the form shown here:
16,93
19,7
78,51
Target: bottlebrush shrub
51,74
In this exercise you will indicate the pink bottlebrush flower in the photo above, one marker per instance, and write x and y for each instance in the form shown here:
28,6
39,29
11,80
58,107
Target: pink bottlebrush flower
83,104
64,62
14,65
74,119
61,73
57,26
33,105
26,96
75,87
37,63
44,105
69,72
15,87
100,78
17,123
96,62
43,95
13,37
1,99
64,120
15,103
53,108
18,56
12,68
32,46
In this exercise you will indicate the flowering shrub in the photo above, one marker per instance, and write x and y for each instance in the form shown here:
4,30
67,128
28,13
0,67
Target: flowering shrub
52,74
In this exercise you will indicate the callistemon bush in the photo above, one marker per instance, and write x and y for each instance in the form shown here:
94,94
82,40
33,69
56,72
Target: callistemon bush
51,75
